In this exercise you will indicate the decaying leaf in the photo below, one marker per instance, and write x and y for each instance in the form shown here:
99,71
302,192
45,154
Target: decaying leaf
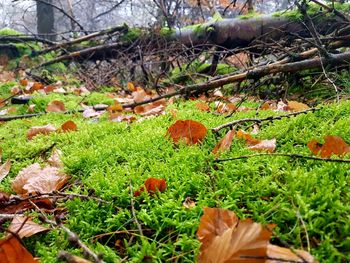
12,251
55,106
191,132
203,106
257,145
40,130
55,158
225,143
92,113
333,145
152,185
296,106
155,108
13,206
5,169
115,107
226,239
34,179
118,117
25,227
189,203
225,107
69,126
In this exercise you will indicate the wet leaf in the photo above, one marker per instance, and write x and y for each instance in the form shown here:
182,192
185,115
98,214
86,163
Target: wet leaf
69,126
25,227
34,179
36,130
333,145
12,251
152,185
225,143
191,132
56,106
5,169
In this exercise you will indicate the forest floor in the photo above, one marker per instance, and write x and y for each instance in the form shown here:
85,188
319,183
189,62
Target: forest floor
308,200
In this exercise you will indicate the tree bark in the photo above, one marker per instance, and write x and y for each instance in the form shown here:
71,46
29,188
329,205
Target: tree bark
45,20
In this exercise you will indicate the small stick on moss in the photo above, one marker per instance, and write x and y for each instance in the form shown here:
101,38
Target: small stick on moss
133,210
270,118
72,237
293,156
67,257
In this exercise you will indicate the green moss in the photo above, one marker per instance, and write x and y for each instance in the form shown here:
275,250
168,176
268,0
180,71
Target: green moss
249,15
9,32
131,35
166,32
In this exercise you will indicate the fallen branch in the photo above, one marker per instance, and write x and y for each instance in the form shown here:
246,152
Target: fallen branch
72,237
292,155
270,118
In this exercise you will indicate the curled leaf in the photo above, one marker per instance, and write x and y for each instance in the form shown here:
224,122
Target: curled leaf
333,145
5,169
152,185
225,143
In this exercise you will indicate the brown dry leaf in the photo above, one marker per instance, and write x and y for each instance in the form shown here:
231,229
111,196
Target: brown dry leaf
55,106
131,87
226,239
7,76
34,179
296,106
333,145
117,117
49,88
287,255
191,132
69,126
5,169
189,203
36,86
55,158
115,107
40,130
17,207
225,143
25,227
31,108
203,106
247,137
225,107
66,257
12,251
23,82
264,145
152,185
15,90
91,113
140,95
156,108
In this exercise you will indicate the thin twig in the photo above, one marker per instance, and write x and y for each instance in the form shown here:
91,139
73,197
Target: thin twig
72,237
290,155
133,210
270,118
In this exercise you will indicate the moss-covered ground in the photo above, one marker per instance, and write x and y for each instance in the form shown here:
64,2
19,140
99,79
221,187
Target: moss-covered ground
309,201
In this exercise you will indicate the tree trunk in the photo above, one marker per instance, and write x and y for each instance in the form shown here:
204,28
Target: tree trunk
45,19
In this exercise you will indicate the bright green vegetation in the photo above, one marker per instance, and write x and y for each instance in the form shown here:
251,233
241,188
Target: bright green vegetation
106,157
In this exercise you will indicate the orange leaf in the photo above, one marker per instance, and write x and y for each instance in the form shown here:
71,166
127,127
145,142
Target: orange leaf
25,227
152,185
296,106
34,179
55,106
247,137
155,108
36,86
12,251
191,132
23,82
69,126
115,107
40,130
223,107
225,143
264,145
225,238
117,117
203,106
282,254
131,86
333,145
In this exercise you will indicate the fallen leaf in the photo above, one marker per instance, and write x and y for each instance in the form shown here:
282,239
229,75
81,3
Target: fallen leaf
131,86
69,126
333,145
152,185
23,82
56,106
140,95
156,108
189,203
282,254
225,107
191,132
55,158
5,169
115,107
203,106
14,206
36,130
173,113
70,258
25,227
91,113
36,86
247,137
12,251
34,179
257,145
296,106
225,143
225,238
117,117
15,90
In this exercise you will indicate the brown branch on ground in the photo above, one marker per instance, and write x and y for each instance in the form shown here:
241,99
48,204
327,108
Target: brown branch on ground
292,156
268,119
72,237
